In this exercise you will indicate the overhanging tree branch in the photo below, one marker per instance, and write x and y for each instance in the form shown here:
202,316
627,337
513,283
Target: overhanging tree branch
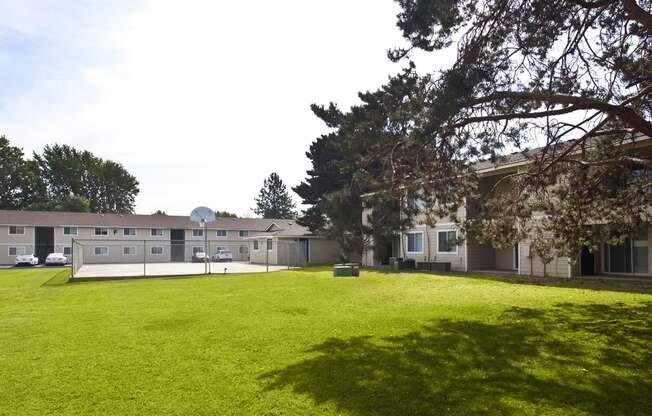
626,114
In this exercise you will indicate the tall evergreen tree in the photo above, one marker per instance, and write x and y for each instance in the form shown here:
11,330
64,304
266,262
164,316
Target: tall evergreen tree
344,167
571,76
273,200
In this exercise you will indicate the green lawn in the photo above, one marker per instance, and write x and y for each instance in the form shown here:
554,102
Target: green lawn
304,343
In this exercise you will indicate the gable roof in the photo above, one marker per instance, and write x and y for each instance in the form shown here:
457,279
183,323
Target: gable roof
83,219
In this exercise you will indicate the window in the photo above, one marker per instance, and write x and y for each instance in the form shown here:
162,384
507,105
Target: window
156,251
156,232
69,230
129,251
447,242
244,249
101,231
243,234
269,244
129,231
67,251
16,251
16,230
414,202
255,244
415,242
197,232
629,257
197,249
101,251
221,233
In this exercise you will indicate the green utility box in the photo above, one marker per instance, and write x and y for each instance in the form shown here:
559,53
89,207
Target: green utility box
355,267
345,270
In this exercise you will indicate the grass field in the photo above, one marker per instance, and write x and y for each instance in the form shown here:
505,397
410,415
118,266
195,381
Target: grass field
304,343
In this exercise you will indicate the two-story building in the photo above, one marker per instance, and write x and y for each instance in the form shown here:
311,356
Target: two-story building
126,238
439,243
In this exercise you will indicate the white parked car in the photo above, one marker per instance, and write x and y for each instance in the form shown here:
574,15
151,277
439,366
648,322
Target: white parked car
56,259
223,255
26,260
199,257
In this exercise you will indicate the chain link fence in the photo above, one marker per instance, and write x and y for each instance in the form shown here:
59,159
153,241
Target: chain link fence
130,258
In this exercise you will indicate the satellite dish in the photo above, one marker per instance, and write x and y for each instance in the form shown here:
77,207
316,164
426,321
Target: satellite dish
202,215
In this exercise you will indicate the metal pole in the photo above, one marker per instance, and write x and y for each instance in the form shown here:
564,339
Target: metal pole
205,249
72,259
144,258
209,258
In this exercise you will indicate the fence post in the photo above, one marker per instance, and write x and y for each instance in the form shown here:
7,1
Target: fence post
267,255
72,259
144,258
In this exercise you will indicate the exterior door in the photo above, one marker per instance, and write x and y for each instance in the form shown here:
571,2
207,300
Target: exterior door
177,245
304,245
587,262
44,239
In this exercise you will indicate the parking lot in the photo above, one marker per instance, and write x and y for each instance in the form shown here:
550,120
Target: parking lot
169,269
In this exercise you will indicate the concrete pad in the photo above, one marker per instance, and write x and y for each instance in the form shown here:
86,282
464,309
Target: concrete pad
169,269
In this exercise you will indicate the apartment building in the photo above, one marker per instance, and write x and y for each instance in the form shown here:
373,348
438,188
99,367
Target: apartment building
118,238
438,243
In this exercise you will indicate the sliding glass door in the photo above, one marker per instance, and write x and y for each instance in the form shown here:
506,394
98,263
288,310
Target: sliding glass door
629,257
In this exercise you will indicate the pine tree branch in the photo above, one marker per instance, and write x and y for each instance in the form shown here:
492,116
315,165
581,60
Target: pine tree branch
626,114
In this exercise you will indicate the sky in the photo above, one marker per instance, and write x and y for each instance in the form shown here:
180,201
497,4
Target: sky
200,100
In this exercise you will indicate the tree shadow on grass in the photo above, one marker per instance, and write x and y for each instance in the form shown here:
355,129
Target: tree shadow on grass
574,359
612,284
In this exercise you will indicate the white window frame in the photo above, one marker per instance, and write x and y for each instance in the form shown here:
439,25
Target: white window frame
70,231
18,252
423,242
197,232
151,251
124,232
152,234
243,233
123,251
101,234
217,233
456,246
100,255
201,249
64,251
16,228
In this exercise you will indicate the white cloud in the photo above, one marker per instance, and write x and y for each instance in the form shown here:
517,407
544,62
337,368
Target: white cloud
200,100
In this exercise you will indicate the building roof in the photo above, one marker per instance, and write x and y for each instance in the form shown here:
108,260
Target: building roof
287,228
82,219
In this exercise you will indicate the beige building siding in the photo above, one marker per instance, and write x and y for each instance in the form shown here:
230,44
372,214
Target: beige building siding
116,253
480,256
430,247
324,251
368,256
532,265
505,258
24,243
261,256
